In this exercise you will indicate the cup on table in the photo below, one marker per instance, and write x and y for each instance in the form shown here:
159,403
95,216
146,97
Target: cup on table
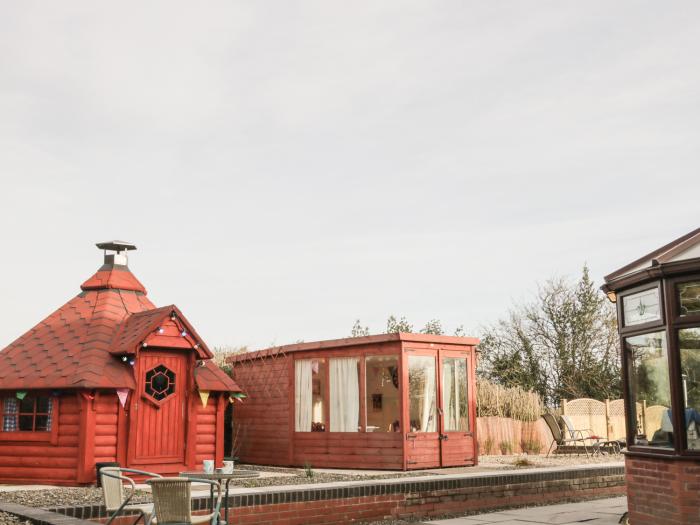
208,466
228,467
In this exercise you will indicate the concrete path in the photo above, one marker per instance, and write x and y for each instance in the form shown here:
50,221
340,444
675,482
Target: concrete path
596,512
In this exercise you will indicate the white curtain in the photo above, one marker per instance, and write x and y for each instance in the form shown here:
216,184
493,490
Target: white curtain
448,395
303,375
345,394
428,423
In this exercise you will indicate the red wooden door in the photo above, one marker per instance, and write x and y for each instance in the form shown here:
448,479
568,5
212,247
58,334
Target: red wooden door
158,410
456,398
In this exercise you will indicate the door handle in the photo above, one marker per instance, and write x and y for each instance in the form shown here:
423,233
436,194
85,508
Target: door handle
444,437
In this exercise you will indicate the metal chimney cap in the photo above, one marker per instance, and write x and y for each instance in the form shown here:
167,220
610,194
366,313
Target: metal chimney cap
117,246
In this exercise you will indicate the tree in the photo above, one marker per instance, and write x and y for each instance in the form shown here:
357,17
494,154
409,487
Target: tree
433,327
563,344
358,330
394,327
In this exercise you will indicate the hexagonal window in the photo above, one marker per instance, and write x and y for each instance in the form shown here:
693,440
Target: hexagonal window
160,382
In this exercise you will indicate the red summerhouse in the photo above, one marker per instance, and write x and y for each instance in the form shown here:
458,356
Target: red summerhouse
108,377
392,401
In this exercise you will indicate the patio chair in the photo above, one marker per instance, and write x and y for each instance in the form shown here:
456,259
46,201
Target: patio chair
581,433
172,498
116,502
558,436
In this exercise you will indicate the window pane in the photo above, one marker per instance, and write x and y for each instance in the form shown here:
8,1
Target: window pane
422,394
641,307
42,405
454,394
689,295
26,423
345,394
689,342
42,423
309,394
9,420
27,405
650,389
382,378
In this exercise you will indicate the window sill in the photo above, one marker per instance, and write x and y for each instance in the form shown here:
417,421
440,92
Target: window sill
25,436
663,454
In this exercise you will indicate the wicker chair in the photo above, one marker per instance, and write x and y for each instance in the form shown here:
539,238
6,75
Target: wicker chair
116,501
558,436
172,498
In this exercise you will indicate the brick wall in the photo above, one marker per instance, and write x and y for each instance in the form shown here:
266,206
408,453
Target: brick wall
418,497
663,492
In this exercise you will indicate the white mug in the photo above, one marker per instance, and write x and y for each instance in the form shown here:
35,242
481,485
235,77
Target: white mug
228,467
208,466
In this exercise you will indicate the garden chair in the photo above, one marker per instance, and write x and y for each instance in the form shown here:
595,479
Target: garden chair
116,502
582,433
558,436
172,499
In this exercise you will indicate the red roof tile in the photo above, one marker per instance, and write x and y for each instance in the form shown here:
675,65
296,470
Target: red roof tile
75,346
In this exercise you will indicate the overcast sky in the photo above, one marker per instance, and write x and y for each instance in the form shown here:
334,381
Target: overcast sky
287,167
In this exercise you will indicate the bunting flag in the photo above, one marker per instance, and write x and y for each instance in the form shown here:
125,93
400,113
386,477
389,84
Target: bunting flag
204,396
122,394
237,396
21,395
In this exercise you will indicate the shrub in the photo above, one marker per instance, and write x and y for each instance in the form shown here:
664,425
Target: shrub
488,446
531,446
308,470
512,402
506,448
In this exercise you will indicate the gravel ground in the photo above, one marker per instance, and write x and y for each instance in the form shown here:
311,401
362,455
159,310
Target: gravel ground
299,477
63,496
543,461
11,519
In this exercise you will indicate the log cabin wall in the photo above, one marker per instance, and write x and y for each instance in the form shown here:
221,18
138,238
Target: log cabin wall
262,422
106,425
206,431
54,462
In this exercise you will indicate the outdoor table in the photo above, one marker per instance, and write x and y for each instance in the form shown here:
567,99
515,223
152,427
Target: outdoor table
220,477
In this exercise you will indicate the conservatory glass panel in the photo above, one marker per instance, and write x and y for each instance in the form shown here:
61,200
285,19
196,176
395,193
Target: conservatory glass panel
689,297
650,390
641,307
382,399
689,344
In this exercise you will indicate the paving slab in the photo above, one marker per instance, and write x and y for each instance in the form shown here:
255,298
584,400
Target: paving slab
595,512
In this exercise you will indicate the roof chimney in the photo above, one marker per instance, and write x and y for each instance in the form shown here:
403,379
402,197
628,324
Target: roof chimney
118,258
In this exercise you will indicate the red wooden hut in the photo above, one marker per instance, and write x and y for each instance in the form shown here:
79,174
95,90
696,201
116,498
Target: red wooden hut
392,401
108,377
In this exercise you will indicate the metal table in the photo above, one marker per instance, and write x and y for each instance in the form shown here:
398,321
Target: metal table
220,477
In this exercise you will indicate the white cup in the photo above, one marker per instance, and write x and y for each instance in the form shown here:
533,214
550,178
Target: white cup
228,467
208,466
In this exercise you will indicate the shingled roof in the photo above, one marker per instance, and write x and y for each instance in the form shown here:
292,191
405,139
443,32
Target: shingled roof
78,345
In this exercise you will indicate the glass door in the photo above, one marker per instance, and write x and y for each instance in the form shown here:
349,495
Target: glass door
456,436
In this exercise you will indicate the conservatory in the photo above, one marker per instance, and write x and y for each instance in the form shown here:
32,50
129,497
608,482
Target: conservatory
391,401
658,305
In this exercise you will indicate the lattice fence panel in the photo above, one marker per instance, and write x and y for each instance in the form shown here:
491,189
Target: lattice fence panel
588,414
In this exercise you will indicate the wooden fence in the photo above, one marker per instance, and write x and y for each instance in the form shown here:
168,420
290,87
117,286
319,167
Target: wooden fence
607,418
505,436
